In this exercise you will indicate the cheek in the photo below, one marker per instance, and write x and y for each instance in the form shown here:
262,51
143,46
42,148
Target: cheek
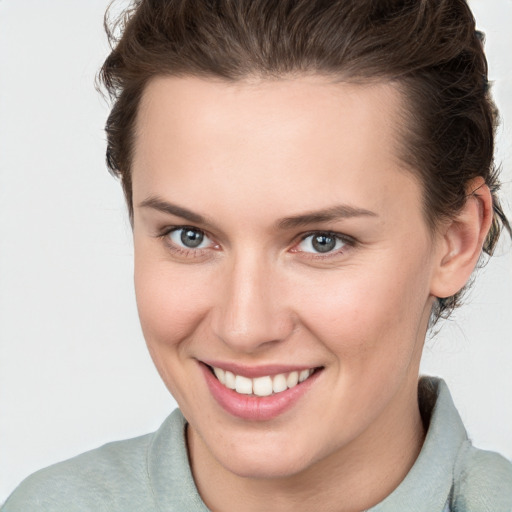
371,314
171,306
170,302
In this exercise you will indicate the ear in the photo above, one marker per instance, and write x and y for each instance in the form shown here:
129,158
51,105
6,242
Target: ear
460,241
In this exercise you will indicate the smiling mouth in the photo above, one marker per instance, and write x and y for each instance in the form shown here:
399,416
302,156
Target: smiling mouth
262,386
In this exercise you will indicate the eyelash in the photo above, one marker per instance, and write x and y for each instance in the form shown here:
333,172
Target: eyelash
348,242
183,251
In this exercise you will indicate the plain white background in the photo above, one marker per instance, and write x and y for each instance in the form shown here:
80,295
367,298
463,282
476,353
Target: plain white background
74,370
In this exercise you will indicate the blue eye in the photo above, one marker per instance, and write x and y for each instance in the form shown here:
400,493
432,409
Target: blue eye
189,238
321,243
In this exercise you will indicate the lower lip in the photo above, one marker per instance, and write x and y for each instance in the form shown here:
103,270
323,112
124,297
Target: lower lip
253,408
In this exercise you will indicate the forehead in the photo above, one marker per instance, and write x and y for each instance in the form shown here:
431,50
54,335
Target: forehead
308,136
189,108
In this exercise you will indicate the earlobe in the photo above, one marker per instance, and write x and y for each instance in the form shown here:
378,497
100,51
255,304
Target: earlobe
460,243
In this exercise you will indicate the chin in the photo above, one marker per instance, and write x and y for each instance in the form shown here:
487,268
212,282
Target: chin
269,468
264,461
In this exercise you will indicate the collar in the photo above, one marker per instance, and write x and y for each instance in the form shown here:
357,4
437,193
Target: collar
428,485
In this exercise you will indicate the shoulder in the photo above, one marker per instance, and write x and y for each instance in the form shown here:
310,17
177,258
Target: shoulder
471,480
482,481
95,480
145,474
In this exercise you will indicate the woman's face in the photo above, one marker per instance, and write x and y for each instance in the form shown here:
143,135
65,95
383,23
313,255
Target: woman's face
277,238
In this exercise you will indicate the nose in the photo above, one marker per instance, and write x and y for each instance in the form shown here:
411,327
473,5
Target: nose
251,310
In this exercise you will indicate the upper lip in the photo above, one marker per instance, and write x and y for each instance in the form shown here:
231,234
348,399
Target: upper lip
251,371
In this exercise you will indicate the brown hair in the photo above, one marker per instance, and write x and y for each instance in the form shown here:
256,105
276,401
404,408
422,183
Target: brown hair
429,48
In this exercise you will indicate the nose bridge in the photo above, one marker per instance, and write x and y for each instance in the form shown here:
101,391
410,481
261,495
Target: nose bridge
250,311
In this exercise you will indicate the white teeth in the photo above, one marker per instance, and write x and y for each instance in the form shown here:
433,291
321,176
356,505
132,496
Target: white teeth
292,379
304,374
220,374
243,385
261,386
279,383
230,380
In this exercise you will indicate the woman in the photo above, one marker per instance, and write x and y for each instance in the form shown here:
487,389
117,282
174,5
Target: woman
310,186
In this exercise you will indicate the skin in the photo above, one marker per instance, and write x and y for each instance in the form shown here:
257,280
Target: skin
245,156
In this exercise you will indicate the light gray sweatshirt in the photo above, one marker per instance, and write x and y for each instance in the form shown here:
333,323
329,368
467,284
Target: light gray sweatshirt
152,473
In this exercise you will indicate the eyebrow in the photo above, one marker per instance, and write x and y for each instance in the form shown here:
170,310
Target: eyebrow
326,215
159,204
337,212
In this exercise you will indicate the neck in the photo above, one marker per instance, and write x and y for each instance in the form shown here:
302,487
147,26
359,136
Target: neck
354,478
